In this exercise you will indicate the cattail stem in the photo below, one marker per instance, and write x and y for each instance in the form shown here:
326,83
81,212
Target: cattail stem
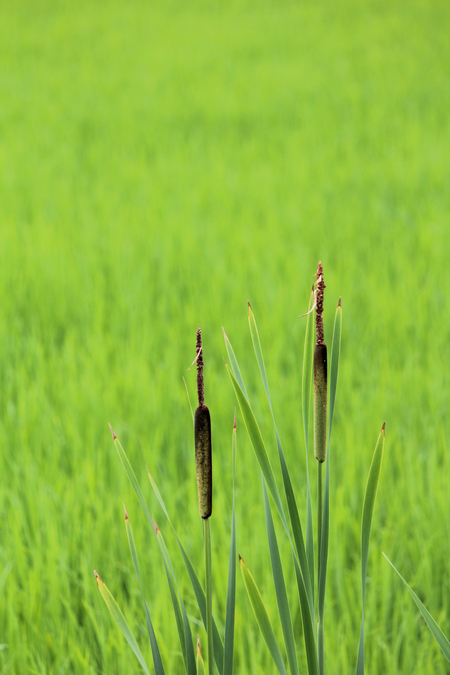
207,545
319,515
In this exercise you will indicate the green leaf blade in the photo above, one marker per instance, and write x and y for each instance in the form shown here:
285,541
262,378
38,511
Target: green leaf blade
159,669
120,620
307,374
280,586
437,633
287,483
258,444
262,617
369,503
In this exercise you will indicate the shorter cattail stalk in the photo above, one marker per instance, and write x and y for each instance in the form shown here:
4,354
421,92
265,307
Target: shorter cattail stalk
202,433
320,403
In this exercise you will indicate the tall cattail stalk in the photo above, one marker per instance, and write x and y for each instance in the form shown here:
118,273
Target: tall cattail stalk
202,432
320,428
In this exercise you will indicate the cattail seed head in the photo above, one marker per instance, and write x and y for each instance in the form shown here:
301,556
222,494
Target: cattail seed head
320,402
320,375
202,433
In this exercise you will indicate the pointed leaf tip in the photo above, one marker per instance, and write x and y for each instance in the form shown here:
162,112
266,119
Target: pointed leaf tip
224,334
383,428
199,651
112,432
339,303
125,512
234,424
156,527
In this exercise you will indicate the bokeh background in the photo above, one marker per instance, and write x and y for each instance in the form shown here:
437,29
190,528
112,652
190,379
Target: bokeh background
160,165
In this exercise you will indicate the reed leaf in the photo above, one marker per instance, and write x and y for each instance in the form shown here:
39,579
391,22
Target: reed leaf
369,503
159,669
307,373
289,492
280,586
184,629
120,620
196,585
262,617
438,635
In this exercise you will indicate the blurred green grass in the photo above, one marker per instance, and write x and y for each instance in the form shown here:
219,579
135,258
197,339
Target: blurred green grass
159,166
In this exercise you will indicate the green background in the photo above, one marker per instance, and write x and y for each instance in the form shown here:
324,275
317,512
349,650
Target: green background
160,165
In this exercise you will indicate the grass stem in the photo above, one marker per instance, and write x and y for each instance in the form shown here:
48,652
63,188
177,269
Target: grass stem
319,515
207,544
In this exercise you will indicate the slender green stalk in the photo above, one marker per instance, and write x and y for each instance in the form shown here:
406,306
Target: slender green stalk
320,632
319,515
207,544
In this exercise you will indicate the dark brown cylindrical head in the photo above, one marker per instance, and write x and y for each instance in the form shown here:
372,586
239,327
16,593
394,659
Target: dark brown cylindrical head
320,402
202,429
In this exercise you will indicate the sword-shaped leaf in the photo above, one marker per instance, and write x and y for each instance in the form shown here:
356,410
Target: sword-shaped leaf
369,503
262,617
438,635
120,620
159,670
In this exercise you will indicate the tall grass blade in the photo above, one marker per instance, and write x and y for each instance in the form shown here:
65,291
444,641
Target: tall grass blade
234,363
258,444
262,617
197,588
184,629
289,492
263,460
196,585
369,503
120,620
438,635
307,373
159,670
231,592
334,369
280,586
132,477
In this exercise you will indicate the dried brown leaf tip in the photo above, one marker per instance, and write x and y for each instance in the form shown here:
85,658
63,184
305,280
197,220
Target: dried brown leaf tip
199,651
383,428
98,578
125,512
112,432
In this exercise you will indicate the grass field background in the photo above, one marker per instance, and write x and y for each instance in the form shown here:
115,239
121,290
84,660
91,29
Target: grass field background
160,165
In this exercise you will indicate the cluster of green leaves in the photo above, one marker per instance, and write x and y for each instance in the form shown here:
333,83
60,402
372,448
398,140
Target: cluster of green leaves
311,599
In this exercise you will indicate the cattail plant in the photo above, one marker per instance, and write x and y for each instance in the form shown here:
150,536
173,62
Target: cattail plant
311,596
203,461
220,649
315,375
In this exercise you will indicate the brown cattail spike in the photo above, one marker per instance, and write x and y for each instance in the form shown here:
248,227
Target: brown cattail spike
202,428
320,375
202,433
